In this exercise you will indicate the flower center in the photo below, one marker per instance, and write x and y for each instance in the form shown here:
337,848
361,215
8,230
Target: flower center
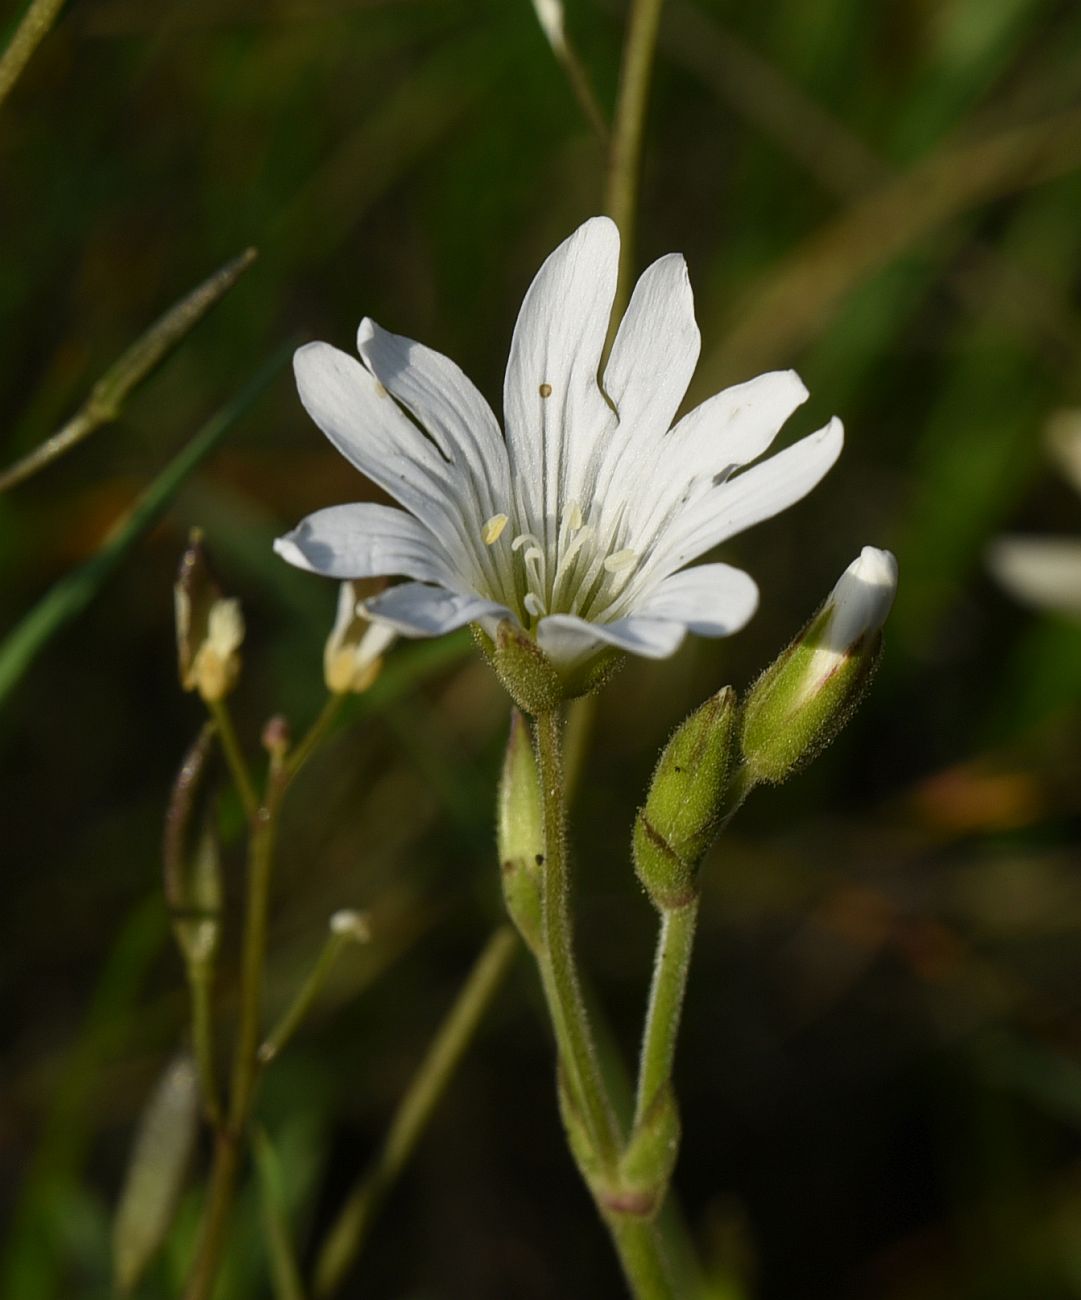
577,571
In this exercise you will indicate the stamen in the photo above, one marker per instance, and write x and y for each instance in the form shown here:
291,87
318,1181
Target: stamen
572,516
521,540
533,605
567,558
621,560
493,529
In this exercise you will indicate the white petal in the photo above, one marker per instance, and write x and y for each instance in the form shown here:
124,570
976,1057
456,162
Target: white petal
709,600
737,425
366,540
418,610
728,430
738,503
367,426
555,412
567,639
652,361
1045,572
446,404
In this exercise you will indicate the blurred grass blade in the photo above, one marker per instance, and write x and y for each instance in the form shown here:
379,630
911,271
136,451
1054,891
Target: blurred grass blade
793,304
76,590
34,1260
108,395
155,1177
284,1272
29,34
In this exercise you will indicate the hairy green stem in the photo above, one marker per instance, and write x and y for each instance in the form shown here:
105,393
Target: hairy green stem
638,1244
569,1019
346,1237
675,944
625,154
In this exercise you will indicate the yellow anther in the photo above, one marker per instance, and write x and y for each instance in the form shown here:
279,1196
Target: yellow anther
573,516
493,529
620,560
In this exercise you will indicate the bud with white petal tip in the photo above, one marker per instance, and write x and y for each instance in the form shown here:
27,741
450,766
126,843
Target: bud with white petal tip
805,697
209,627
354,651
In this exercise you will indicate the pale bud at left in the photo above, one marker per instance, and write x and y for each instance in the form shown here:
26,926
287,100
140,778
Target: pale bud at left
354,651
209,627
805,697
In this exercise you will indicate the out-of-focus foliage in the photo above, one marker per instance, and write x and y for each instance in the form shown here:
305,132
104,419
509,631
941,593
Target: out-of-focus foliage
881,1070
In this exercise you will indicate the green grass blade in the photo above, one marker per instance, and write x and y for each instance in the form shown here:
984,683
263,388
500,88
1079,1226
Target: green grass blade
77,589
107,397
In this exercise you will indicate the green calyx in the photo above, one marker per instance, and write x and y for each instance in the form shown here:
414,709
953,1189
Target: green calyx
531,679
795,709
683,809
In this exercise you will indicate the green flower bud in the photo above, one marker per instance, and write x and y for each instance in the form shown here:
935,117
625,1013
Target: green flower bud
685,802
209,628
645,1169
520,834
801,702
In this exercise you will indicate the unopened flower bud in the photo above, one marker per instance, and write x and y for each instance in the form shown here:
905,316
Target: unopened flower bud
350,924
805,697
685,803
520,834
276,736
354,651
209,627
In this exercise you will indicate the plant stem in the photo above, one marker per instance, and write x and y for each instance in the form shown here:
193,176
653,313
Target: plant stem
28,36
316,734
306,995
638,1244
219,1203
201,981
234,756
346,1237
625,155
246,1059
569,1019
671,965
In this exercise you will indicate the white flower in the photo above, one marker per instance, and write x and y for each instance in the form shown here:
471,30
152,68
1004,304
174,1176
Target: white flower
579,524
